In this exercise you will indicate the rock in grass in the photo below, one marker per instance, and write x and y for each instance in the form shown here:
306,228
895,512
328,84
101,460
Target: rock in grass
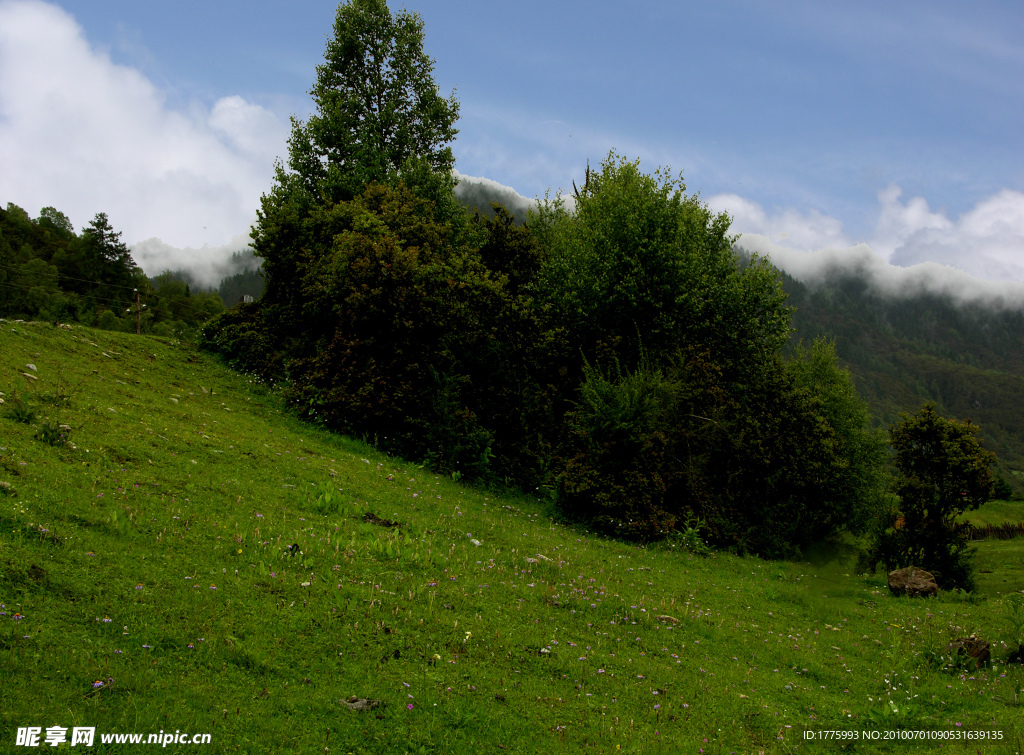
971,647
912,581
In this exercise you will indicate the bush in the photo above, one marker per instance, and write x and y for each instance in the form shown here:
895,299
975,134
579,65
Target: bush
54,433
18,408
618,474
679,403
110,321
859,485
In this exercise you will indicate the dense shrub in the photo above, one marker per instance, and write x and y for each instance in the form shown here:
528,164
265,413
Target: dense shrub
680,404
652,449
403,326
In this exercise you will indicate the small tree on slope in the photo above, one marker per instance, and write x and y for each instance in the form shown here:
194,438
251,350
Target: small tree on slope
942,471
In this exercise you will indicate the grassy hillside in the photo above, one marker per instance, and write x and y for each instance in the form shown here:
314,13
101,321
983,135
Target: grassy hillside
199,561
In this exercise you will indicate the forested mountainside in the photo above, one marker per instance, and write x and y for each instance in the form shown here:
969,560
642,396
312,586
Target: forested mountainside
904,351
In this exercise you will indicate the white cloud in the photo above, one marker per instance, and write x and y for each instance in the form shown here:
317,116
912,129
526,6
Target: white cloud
85,135
987,241
889,280
490,190
811,230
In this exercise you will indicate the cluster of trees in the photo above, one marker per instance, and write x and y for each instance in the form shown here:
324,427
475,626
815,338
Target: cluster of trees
48,272
620,351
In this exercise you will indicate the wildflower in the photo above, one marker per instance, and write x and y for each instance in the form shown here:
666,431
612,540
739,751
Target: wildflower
409,706
97,684
213,587
138,586
107,619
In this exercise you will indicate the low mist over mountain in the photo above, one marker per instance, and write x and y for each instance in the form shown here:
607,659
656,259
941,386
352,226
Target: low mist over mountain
479,193
205,267
885,279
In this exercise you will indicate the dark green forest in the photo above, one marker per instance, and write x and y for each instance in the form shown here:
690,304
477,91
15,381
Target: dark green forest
48,272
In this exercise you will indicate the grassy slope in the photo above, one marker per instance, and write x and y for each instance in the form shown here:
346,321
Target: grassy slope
172,519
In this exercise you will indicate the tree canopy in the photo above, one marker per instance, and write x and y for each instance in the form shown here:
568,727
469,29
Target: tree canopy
377,106
379,119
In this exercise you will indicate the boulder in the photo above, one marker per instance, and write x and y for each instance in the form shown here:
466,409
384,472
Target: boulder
971,647
912,581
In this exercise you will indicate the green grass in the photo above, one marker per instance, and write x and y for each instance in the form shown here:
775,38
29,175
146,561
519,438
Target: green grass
152,554
996,512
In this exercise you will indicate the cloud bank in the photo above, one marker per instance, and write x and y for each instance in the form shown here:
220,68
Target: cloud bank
978,256
85,135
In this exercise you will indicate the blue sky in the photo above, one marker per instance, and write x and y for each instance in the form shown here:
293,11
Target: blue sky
817,125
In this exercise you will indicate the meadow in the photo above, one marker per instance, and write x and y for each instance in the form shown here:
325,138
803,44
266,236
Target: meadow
195,559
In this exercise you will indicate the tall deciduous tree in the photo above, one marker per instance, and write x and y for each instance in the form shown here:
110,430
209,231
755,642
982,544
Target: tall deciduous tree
639,266
377,105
